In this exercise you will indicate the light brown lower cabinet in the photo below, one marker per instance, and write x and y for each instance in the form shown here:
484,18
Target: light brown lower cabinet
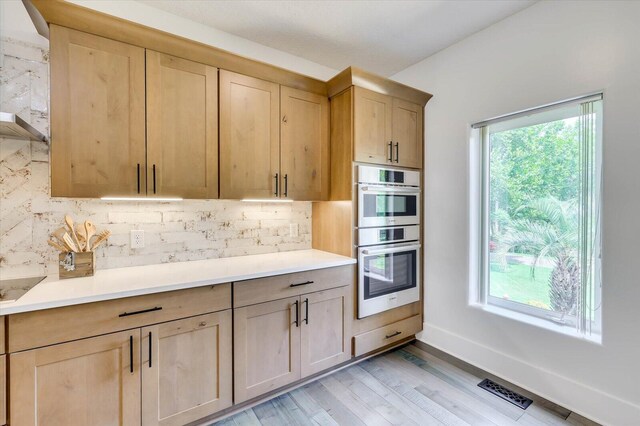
325,332
94,381
277,343
171,373
186,369
3,386
266,347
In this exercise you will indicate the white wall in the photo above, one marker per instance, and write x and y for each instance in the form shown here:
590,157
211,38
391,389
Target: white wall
548,52
156,18
15,23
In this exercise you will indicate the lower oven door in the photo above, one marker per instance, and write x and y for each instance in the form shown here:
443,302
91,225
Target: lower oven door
389,276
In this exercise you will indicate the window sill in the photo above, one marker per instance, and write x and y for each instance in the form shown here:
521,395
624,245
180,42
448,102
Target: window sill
537,322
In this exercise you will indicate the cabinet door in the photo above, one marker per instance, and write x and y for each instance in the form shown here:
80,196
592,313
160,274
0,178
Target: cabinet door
186,369
373,122
3,386
304,145
249,137
182,127
407,134
92,381
97,116
325,329
266,347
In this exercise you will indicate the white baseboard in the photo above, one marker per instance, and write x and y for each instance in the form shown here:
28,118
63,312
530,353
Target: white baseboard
589,402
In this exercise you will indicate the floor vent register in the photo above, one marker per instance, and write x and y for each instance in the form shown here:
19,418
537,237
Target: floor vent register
505,393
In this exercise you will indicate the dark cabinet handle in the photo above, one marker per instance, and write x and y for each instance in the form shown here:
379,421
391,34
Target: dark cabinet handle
389,336
391,151
154,178
299,284
276,193
397,151
138,178
286,185
150,352
306,311
297,322
131,354
144,311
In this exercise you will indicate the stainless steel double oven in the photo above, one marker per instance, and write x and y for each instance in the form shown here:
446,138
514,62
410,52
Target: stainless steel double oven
388,239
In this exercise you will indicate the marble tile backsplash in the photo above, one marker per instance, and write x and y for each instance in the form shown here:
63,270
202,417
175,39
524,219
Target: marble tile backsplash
178,231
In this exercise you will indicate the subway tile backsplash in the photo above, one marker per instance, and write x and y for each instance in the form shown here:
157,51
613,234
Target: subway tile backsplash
176,231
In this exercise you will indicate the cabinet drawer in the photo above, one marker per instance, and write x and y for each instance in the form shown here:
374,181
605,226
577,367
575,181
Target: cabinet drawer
41,328
383,336
282,286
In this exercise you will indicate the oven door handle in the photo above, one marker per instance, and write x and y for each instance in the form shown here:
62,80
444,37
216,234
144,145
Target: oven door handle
399,189
394,249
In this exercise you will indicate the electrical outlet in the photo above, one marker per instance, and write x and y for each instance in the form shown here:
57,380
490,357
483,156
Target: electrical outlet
137,238
293,230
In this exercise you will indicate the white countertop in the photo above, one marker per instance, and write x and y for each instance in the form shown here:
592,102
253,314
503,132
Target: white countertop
109,284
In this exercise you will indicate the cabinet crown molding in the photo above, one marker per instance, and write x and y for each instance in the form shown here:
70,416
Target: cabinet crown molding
43,13
354,76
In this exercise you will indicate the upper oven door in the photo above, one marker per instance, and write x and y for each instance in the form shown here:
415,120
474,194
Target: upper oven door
388,205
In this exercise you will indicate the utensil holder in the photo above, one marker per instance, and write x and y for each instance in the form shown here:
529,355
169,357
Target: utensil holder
74,265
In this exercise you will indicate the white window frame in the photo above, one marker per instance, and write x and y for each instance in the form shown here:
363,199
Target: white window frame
479,222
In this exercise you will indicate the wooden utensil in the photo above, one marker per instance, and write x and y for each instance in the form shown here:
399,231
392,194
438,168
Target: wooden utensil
69,243
69,222
57,246
90,230
59,235
82,237
101,238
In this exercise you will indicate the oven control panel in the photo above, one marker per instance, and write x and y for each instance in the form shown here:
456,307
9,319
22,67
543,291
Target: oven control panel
388,235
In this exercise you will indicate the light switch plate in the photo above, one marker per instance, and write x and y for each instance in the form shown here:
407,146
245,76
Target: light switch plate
137,238
293,230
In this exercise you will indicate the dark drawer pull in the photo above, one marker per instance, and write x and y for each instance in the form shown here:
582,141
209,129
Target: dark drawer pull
389,336
144,311
299,284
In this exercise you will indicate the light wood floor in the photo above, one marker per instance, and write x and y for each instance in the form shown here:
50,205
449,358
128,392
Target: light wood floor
407,386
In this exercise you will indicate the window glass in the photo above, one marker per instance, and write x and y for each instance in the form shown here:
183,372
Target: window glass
541,245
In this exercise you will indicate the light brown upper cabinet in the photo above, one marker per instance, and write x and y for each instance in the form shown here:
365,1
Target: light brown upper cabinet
304,145
97,116
373,124
407,133
249,137
182,127
274,140
387,130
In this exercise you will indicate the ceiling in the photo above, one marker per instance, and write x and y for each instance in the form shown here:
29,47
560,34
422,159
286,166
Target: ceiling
384,36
